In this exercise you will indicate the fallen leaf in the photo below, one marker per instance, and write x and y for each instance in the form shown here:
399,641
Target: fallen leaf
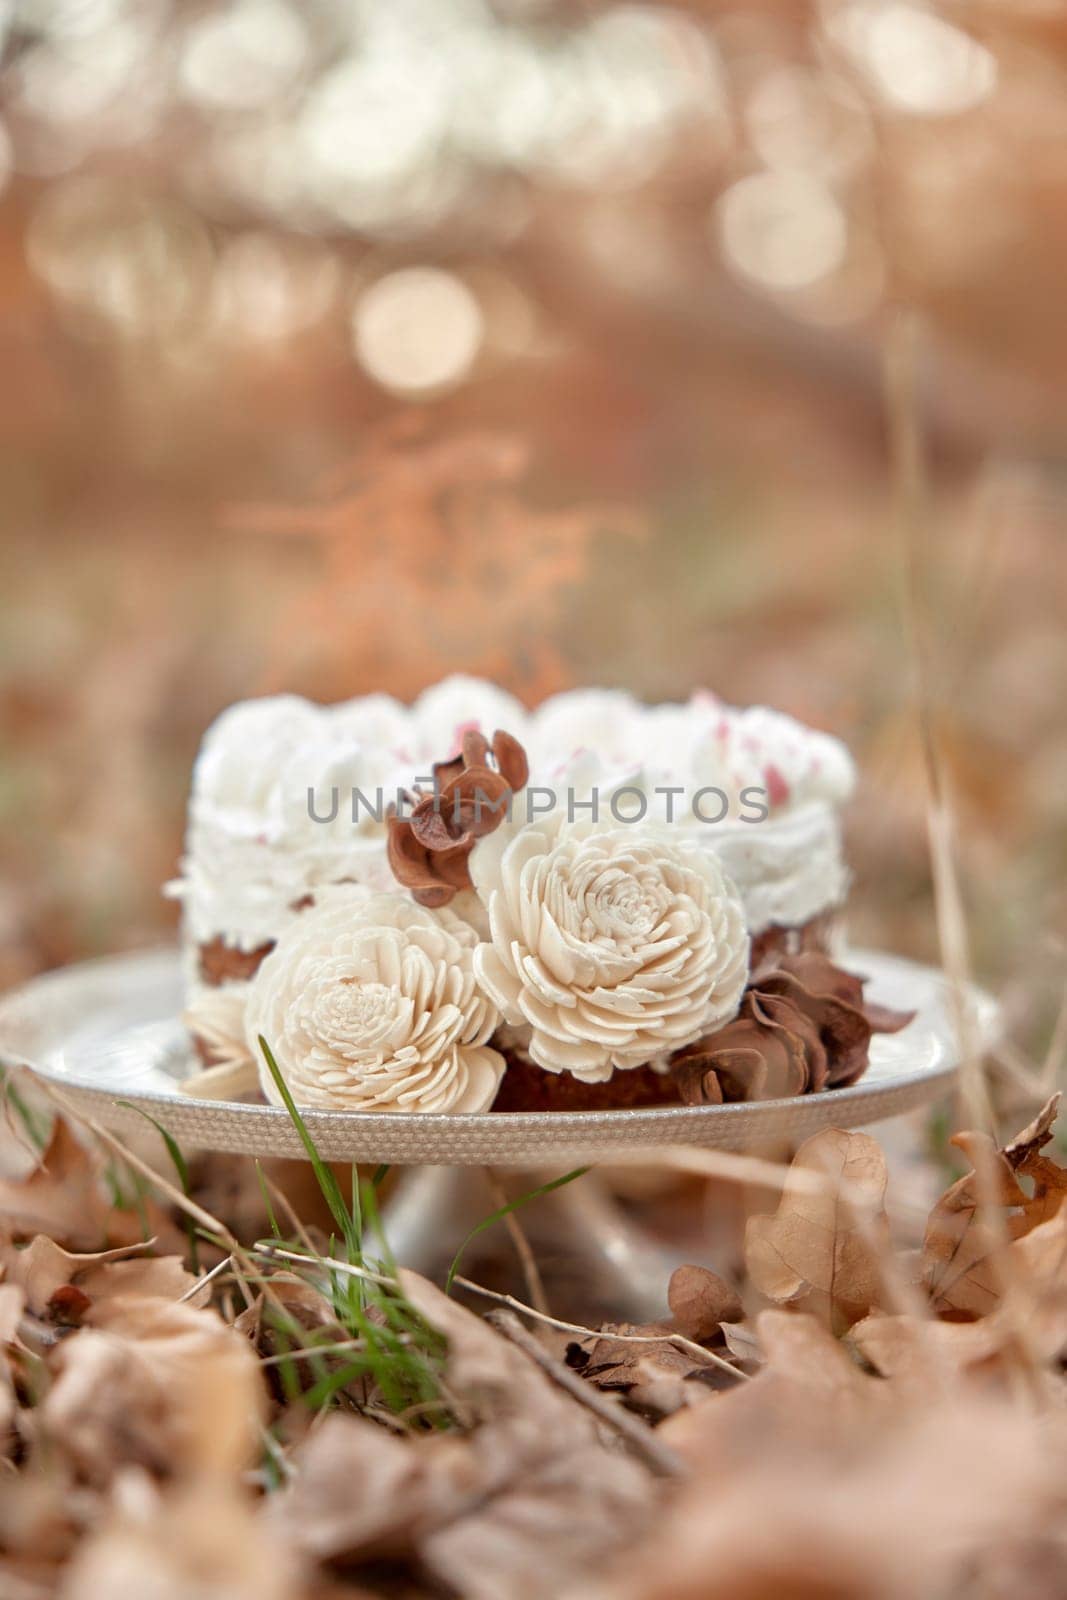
556,1496
531,1498
979,1216
198,1542
656,1378
701,1302
44,1268
816,1479
137,1387
65,1198
822,1248
362,1494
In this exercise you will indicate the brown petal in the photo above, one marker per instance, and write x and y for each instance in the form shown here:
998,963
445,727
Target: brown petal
843,1029
476,802
885,1019
475,748
811,1069
412,867
821,976
431,822
511,760
445,771
698,1084
453,866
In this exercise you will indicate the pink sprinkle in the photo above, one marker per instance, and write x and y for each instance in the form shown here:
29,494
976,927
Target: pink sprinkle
461,729
777,788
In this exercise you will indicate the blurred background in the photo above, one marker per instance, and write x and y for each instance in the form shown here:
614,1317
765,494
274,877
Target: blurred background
351,342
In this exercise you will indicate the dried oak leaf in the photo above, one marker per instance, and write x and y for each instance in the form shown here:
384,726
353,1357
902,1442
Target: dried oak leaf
701,1302
984,1211
659,1377
201,1541
66,1199
656,1378
527,1502
803,1025
152,1384
815,1480
429,850
1025,1331
821,1250
44,1270
555,1498
362,1494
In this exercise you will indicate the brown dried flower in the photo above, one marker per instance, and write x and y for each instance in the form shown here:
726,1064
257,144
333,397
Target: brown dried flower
803,1025
429,851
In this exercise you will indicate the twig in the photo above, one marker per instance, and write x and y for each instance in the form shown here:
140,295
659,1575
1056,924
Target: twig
348,1269
307,1352
911,485
910,481
226,1262
1052,1066
641,1439
679,1340
535,1287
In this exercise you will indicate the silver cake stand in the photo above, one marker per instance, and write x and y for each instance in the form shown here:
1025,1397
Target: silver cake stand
107,1035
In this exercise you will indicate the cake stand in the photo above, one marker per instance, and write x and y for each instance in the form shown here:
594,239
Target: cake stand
107,1035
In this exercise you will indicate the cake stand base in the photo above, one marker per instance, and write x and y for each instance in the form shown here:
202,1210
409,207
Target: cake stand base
587,1250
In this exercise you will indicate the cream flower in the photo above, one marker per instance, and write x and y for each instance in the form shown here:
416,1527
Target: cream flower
217,1018
613,944
368,1003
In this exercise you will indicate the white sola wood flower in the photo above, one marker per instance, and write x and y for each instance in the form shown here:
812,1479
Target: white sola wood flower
614,945
369,1003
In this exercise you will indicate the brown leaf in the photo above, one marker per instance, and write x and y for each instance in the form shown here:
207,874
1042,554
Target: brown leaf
925,1357
201,1541
143,1385
556,1499
701,1302
65,1199
530,1501
822,1247
62,1197
980,1214
655,1377
361,1494
44,1268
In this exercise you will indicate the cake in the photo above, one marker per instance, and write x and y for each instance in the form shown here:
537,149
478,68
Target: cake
418,899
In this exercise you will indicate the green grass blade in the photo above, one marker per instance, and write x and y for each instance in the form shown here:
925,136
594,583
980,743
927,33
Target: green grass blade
181,1167
37,1127
268,1204
505,1211
331,1189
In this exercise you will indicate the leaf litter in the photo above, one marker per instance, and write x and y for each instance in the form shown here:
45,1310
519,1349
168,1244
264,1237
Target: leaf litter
297,1419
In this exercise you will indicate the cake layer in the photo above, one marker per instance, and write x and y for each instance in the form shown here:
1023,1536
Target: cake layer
288,796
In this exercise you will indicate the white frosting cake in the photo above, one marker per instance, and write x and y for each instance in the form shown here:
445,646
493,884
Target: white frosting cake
259,843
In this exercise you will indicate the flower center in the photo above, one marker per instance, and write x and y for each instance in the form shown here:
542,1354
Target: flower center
353,1015
622,908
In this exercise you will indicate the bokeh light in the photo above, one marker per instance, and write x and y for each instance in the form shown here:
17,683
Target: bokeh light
917,61
783,230
417,330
